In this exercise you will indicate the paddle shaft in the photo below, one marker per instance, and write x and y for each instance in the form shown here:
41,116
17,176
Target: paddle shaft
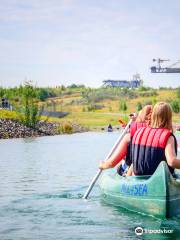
110,153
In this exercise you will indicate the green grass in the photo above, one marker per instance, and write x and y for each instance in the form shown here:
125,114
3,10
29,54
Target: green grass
110,112
91,119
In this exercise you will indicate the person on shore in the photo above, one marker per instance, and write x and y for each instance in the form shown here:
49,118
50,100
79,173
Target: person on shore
156,143
124,148
110,128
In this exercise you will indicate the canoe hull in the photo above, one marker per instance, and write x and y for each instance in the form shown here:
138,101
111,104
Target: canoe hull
158,195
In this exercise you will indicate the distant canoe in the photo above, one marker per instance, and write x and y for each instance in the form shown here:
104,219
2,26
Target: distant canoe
157,195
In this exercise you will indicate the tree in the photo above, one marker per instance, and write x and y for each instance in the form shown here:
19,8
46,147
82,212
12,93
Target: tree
29,105
73,85
2,92
42,94
175,106
123,106
139,106
178,94
63,88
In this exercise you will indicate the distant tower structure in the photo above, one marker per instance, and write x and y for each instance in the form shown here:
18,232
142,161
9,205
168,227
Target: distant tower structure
137,78
168,69
134,83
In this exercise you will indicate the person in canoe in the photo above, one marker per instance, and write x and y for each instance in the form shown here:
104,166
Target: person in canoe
141,120
123,151
151,145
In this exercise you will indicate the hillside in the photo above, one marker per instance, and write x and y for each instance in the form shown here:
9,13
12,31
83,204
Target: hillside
100,107
92,108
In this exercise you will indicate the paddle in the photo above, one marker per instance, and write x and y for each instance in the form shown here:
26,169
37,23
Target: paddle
110,153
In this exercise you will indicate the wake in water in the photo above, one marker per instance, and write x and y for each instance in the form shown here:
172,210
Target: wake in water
76,193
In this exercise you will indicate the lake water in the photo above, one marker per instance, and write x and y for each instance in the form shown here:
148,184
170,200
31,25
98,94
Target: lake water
42,183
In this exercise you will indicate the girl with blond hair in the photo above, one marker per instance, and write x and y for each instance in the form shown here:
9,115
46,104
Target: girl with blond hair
156,143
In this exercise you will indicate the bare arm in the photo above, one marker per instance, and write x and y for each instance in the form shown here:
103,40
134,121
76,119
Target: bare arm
170,154
118,154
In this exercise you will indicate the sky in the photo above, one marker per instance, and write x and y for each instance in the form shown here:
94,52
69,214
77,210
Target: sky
87,41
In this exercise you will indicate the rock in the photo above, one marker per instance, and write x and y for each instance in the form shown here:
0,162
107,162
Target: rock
10,128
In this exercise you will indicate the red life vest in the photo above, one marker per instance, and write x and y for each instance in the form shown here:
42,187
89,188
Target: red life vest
133,128
148,149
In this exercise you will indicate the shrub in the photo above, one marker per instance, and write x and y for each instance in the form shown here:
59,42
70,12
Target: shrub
93,107
42,94
148,93
122,106
8,114
175,106
142,89
178,93
66,128
28,111
139,106
110,109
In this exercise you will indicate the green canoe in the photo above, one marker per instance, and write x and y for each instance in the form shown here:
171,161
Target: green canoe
157,195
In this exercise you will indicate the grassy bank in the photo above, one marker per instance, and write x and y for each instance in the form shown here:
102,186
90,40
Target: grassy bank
109,110
96,108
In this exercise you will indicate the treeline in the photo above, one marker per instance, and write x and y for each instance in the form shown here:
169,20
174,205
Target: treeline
89,94
24,100
99,94
92,97
41,93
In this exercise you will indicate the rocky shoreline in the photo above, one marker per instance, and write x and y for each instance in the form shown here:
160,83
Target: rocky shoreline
10,128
